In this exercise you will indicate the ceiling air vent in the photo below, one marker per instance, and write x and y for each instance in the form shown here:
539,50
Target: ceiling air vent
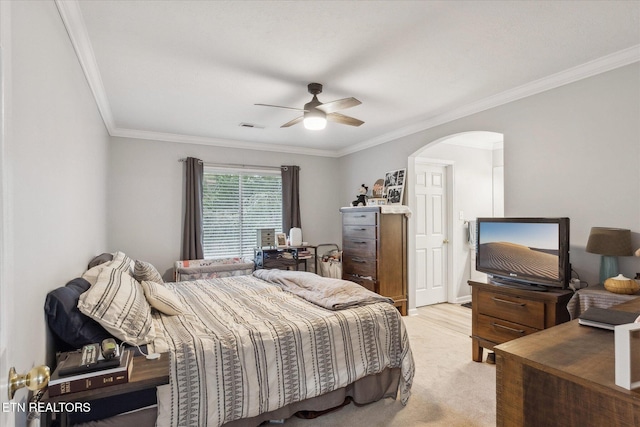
250,125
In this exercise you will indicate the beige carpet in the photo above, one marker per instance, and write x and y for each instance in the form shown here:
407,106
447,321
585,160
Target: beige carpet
449,389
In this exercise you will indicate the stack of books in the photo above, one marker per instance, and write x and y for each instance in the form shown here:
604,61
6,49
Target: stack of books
69,377
304,254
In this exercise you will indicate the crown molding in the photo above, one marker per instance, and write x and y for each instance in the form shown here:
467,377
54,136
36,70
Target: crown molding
589,69
218,142
72,18
76,29
71,15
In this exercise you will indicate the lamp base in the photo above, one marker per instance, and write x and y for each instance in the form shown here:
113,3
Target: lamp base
608,267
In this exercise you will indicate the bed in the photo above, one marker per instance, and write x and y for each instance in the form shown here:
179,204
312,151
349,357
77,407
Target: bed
258,347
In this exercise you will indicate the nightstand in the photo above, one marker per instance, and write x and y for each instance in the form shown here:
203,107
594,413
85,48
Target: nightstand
145,375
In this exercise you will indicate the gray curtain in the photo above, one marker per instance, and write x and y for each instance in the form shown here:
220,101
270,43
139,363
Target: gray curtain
290,197
192,238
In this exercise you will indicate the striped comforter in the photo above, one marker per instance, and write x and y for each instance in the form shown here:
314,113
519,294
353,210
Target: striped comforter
246,347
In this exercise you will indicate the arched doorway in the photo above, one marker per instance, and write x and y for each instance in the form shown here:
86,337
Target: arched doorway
450,182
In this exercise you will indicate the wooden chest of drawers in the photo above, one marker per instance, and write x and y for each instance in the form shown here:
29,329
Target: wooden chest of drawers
375,252
501,314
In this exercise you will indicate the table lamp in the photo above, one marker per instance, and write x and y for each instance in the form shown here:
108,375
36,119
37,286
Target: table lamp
610,243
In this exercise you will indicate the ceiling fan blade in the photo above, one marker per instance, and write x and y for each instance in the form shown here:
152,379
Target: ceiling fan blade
279,106
340,104
342,119
292,122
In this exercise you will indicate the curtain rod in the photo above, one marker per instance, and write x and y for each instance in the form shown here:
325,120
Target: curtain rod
237,165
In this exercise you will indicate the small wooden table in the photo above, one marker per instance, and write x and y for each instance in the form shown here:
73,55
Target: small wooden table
594,296
563,376
269,258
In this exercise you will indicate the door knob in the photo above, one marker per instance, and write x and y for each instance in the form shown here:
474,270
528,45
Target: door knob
445,241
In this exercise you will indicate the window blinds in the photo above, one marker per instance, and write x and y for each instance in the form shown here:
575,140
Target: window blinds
235,204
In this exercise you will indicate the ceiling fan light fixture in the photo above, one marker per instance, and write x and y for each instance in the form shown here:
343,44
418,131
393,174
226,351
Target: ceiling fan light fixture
317,113
315,120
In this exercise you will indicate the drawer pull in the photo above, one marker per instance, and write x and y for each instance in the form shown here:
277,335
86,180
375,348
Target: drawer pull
521,304
360,243
517,331
361,261
361,277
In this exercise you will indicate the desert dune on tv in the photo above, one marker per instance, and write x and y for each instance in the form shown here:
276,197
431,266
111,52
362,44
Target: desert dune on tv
519,259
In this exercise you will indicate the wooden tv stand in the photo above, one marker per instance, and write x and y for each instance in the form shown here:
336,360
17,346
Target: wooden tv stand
502,313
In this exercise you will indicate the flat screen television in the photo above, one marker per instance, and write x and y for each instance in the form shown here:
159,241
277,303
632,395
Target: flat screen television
524,252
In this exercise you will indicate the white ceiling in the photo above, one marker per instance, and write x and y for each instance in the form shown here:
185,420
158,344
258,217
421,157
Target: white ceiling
191,71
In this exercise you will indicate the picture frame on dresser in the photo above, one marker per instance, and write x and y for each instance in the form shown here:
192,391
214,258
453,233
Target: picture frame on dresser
376,202
394,186
281,240
378,189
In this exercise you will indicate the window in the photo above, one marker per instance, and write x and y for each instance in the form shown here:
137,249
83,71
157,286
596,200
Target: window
235,204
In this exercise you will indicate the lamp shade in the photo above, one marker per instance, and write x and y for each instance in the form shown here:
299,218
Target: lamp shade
610,241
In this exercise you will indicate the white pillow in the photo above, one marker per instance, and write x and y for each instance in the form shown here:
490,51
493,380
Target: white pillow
120,262
117,302
161,298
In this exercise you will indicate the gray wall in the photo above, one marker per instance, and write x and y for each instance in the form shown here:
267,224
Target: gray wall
555,144
573,151
146,183
54,173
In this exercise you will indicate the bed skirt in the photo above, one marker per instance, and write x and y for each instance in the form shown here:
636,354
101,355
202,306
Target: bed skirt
365,390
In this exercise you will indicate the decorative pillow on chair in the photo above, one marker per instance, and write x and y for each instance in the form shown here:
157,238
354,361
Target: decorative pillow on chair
117,302
162,299
143,270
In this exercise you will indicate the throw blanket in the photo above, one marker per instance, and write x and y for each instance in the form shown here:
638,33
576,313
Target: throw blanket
333,294
245,347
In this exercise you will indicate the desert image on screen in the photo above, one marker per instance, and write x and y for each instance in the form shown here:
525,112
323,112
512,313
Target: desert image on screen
520,248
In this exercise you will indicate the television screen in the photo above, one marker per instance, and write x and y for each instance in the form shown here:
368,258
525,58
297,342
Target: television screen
526,250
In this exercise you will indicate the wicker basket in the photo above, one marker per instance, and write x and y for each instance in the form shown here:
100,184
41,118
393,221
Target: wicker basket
621,285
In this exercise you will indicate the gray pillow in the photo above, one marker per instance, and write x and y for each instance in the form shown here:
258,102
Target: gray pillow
100,259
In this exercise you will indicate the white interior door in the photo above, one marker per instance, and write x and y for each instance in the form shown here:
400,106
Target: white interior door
7,301
431,233
6,297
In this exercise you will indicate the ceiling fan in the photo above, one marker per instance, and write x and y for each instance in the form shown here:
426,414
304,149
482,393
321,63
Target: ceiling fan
316,113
